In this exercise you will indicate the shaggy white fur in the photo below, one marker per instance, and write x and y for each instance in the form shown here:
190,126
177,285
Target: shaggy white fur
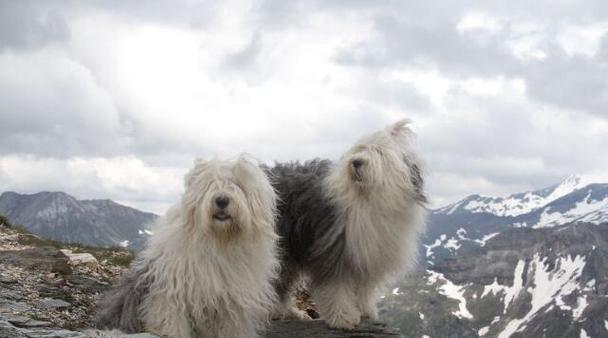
376,188
210,262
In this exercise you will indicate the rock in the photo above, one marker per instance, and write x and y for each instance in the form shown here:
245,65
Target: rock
117,334
25,322
80,258
52,333
21,327
318,329
87,284
50,303
8,306
47,259
33,323
7,280
10,294
17,320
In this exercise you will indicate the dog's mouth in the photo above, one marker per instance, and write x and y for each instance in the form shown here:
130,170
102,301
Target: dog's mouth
221,216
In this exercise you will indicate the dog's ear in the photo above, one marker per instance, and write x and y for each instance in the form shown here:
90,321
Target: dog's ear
199,166
260,192
417,180
400,129
246,169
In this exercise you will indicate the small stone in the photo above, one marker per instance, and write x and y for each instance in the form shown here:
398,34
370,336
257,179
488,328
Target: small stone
7,279
17,320
80,258
37,333
50,303
10,295
30,323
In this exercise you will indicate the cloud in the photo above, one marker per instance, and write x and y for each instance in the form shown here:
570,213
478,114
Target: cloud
96,94
52,106
126,179
30,25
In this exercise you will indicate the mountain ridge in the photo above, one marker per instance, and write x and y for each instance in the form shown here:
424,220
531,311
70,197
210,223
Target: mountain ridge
62,217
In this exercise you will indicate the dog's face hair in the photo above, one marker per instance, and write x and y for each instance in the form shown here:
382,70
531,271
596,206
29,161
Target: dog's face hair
223,197
382,161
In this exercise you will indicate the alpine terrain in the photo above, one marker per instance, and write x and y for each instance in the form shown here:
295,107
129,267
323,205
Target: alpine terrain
533,264
61,217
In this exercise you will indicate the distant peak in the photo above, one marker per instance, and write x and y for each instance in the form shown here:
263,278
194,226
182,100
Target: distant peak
572,180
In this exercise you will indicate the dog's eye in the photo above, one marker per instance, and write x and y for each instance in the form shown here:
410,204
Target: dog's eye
239,187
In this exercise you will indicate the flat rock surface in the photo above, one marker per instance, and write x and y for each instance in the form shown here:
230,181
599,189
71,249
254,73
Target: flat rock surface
318,329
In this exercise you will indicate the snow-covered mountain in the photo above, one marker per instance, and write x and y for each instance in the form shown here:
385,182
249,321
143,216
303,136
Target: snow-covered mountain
61,217
469,223
545,282
533,264
520,203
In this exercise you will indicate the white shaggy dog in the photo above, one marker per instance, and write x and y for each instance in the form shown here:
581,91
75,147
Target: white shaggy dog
350,227
207,269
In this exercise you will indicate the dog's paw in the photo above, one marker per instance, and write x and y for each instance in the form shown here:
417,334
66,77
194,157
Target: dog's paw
370,312
295,313
344,322
291,313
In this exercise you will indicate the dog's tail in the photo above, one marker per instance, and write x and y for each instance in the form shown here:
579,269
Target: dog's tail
119,307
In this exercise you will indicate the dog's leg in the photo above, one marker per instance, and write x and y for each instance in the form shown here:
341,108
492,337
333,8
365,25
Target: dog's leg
336,303
367,296
286,307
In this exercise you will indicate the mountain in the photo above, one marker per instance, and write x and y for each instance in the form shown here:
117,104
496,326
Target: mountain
61,217
533,264
469,223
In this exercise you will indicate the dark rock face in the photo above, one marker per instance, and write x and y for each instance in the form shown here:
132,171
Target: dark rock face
549,282
61,217
533,264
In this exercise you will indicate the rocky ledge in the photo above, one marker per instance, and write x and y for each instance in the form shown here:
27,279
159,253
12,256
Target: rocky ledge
48,290
318,328
17,327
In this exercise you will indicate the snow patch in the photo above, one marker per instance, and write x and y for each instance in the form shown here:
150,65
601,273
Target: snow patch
452,291
581,305
124,243
493,288
429,248
452,243
584,334
518,281
519,204
549,285
486,238
587,210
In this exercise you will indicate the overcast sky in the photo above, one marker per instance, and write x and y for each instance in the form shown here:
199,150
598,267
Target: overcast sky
114,99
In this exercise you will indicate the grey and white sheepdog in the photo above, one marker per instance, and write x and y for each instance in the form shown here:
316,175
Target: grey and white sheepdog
207,269
350,227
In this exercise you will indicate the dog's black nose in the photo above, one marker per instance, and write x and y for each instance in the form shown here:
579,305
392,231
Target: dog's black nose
222,202
357,163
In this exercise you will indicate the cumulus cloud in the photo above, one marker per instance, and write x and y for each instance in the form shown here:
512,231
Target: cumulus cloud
114,99
30,25
128,180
